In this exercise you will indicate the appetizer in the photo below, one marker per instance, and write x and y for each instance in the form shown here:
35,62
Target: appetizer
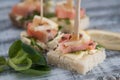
23,12
65,14
76,55
39,32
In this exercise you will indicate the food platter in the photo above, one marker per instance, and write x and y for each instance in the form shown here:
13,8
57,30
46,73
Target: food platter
106,19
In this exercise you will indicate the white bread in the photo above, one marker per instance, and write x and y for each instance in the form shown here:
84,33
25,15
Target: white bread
51,23
80,63
84,24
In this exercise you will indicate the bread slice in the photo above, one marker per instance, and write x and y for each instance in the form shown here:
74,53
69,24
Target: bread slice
24,38
80,62
68,27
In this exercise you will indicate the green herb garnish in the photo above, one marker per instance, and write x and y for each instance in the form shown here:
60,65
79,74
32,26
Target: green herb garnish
99,46
23,58
49,15
67,21
60,27
34,43
77,52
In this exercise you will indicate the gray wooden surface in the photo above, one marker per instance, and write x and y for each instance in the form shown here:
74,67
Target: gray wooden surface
104,15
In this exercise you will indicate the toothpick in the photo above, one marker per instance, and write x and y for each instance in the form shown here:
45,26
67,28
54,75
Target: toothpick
70,3
77,19
41,9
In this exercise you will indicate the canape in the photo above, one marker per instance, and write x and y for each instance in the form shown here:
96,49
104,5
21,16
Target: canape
65,17
39,32
23,12
80,55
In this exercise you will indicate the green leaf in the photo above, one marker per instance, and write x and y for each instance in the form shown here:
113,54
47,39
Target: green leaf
34,72
34,55
49,15
37,70
14,48
60,27
41,67
3,64
20,57
67,21
2,60
2,68
33,43
99,46
26,64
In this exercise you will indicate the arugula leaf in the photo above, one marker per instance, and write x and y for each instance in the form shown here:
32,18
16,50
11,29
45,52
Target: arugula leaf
34,55
14,48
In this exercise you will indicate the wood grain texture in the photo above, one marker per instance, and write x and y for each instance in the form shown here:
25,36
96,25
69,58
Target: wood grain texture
104,15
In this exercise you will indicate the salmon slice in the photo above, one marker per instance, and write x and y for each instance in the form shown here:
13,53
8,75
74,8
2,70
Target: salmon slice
24,8
63,12
42,30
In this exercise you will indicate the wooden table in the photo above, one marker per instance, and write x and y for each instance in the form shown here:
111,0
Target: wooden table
104,15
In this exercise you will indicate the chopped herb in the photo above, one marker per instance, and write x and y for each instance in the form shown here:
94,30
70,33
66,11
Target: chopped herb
67,21
76,52
99,46
33,43
49,15
60,27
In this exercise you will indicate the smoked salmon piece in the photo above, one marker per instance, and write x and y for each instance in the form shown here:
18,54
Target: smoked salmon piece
63,12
